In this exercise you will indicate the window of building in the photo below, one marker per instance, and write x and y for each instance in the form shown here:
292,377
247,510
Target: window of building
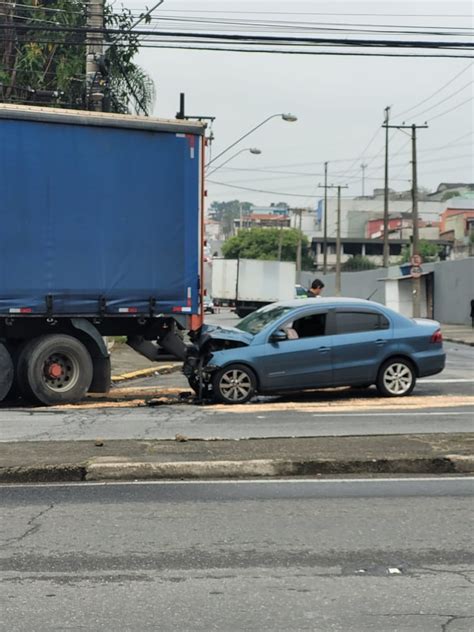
353,322
352,249
395,249
373,249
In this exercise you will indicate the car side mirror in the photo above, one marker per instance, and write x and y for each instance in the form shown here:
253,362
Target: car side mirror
278,336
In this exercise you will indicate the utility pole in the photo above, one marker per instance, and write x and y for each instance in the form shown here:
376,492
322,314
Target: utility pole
280,242
325,218
338,236
298,212
386,248
363,167
338,241
94,53
414,215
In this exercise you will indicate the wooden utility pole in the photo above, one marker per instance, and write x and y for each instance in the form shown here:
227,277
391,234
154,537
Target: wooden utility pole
325,218
414,215
386,247
94,53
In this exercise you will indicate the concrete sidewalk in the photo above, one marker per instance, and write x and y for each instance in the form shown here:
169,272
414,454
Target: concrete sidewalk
462,334
42,461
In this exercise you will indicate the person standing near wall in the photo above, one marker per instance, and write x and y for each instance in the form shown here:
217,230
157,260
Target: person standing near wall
316,288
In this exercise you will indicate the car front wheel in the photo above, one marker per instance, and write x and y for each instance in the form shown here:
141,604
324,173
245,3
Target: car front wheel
234,384
396,378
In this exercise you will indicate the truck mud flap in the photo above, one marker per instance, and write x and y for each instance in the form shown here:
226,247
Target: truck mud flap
6,372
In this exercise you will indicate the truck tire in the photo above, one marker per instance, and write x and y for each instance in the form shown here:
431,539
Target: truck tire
54,369
6,372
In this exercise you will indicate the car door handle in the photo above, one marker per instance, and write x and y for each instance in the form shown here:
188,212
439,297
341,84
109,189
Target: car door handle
324,349
380,342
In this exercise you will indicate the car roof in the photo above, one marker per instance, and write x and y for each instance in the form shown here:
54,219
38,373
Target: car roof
328,301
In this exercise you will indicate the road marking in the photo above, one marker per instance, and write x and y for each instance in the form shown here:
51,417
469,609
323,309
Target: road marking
398,414
463,380
257,481
333,403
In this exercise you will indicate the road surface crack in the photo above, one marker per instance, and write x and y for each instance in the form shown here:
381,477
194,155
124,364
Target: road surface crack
464,574
452,619
32,526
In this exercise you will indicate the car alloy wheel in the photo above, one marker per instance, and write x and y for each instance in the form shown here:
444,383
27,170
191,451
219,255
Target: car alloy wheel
234,384
396,378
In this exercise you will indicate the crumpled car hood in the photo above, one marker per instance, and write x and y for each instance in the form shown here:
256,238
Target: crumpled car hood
214,332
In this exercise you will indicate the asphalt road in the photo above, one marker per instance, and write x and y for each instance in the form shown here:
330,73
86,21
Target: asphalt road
438,405
358,555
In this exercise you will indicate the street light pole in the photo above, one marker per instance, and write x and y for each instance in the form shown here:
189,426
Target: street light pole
252,150
291,118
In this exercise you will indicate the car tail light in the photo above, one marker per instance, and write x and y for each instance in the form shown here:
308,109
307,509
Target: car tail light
437,337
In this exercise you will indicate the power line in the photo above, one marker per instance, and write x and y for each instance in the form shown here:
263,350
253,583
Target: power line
451,109
448,83
232,186
270,51
262,39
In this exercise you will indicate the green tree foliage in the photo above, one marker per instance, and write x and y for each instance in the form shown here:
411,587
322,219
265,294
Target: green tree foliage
357,263
47,67
427,250
226,212
264,243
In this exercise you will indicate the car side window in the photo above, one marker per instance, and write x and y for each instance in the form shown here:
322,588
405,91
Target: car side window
353,322
311,325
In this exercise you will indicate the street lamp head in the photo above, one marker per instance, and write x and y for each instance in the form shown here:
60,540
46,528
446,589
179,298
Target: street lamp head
290,118
255,150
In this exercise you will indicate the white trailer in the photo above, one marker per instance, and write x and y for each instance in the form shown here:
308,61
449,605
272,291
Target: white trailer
252,283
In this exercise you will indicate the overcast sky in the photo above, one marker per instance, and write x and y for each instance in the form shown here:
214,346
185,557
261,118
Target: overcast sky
339,101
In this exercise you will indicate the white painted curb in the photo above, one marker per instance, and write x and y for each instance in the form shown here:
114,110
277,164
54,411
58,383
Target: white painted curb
189,469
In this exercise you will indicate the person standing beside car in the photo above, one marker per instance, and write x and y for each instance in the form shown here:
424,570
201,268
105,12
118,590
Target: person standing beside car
316,288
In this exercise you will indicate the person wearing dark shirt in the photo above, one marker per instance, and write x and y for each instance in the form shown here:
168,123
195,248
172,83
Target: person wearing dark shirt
316,288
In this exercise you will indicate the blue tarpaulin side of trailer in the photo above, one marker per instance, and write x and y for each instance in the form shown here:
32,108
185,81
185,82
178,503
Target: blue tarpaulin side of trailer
91,214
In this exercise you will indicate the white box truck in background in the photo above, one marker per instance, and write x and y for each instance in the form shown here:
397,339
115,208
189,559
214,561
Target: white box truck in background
252,283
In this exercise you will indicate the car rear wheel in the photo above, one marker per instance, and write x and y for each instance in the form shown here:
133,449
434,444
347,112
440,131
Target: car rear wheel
54,369
396,378
234,384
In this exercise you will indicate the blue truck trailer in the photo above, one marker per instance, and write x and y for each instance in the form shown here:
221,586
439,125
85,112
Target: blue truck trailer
101,235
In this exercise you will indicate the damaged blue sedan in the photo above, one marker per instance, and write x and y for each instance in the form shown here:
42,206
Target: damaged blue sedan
326,342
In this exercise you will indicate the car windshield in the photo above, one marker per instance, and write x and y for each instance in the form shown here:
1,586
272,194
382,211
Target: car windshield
255,322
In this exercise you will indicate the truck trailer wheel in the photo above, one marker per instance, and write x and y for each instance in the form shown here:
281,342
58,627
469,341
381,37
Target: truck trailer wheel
54,369
6,372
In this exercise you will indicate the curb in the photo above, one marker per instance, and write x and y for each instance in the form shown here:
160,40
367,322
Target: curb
459,342
116,469
153,370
